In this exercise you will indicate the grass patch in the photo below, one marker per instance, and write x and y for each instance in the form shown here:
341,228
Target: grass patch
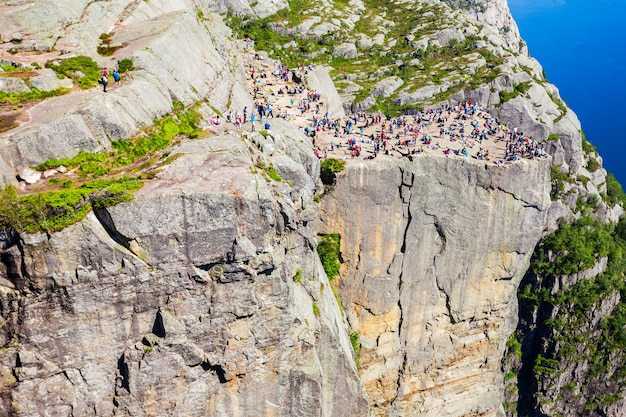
70,201
316,309
518,89
355,341
82,69
329,169
593,164
614,191
54,210
297,278
269,172
328,251
33,95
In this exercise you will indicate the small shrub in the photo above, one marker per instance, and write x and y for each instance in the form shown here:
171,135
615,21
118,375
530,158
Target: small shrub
298,277
588,147
514,346
328,251
329,169
614,192
593,165
125,65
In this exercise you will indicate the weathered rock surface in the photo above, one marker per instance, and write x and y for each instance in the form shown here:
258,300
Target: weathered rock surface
433,251
183,301
345,50
47,80
319,80
209,68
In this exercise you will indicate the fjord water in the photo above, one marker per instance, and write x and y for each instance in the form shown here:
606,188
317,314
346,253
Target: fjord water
581,45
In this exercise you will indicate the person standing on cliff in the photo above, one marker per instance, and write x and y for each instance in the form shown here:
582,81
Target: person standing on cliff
116,77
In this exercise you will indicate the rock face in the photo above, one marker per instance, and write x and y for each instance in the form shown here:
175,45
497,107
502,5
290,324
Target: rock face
183,301
433,251
209,68
204,295
320,81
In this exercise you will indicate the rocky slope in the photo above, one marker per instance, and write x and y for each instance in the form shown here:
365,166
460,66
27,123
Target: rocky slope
204,295
184,301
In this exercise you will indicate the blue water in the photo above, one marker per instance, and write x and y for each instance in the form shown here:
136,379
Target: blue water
581,45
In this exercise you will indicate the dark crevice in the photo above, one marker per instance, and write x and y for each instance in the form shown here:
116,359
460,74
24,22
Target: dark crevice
104,217
442,235
158,329
124,374
13,270
219,371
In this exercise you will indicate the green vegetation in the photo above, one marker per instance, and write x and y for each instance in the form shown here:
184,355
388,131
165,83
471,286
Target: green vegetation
329,169
588,147
125,65
573,248
514,345
558,180
355,341
593,164
328,251
298,277
571,336
73,67
31,96
54,210
60,207
510,375
269,172
339,303
316,309
614,192
105,48
518,89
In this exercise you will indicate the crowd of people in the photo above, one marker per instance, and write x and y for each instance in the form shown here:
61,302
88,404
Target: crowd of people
463,129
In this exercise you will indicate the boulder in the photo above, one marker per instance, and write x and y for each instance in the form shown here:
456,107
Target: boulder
47,80
445,36
345,50
379,39
386,87
364,42
12,85
29,175
319,79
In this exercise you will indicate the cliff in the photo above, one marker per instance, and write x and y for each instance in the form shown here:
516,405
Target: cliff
433,251
203,294
183,302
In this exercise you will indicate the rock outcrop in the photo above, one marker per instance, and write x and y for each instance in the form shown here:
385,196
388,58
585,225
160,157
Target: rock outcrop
209,68
184,301
433,251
